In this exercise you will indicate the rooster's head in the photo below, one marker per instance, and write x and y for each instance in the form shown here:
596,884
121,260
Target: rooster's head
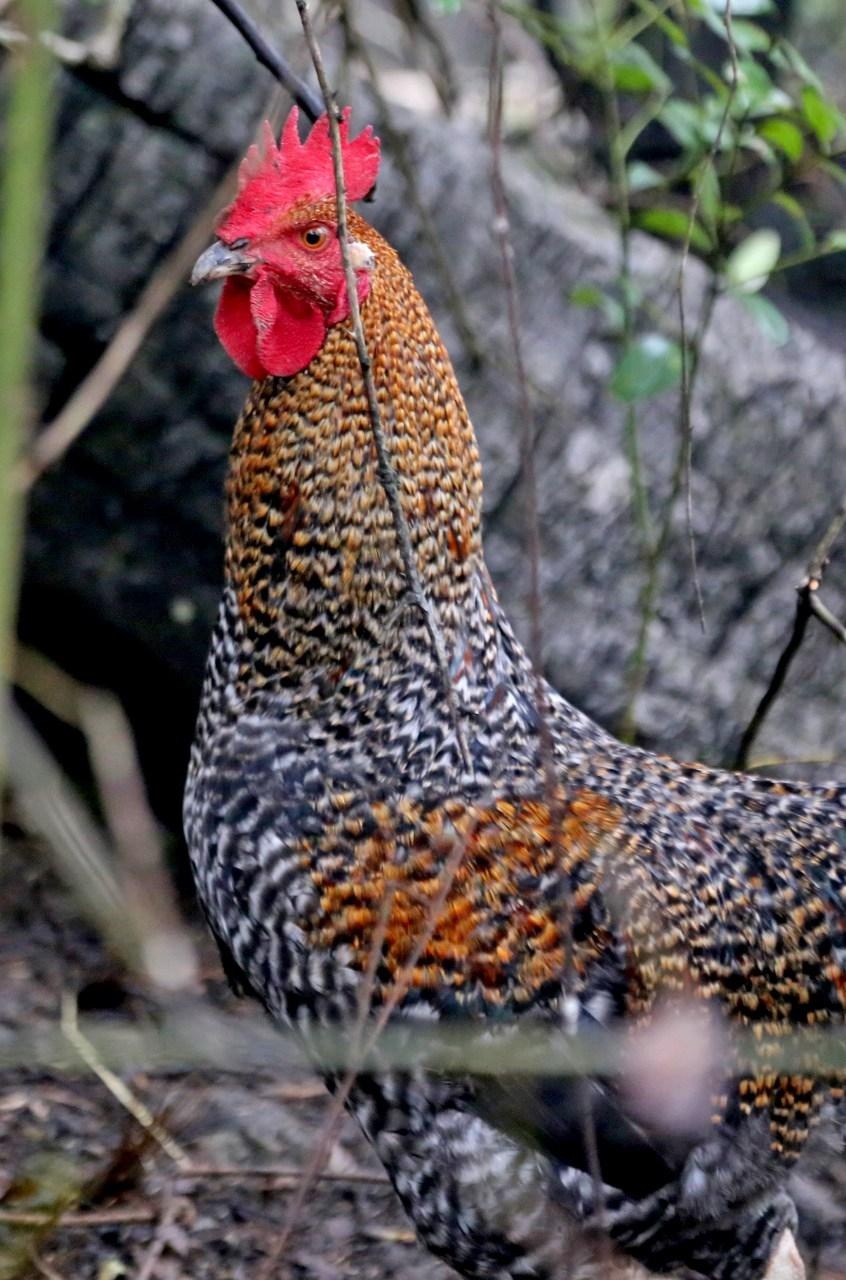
279,252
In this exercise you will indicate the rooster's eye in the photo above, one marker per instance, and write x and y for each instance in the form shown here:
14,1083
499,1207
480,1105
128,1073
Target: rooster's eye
314,237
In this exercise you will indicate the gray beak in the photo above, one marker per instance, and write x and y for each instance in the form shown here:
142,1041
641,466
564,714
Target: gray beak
218,261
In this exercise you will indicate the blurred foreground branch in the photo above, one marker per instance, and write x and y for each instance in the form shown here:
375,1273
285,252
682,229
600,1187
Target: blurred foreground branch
27,134
190,1035
94,390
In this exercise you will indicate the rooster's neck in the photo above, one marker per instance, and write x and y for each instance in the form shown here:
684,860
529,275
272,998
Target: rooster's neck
312,565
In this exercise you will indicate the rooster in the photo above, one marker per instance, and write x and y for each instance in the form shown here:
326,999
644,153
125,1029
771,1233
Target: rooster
492,857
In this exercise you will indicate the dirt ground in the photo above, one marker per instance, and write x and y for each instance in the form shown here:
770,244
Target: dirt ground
131,1210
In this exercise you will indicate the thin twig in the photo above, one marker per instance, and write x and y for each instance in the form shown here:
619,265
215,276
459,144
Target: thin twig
28,100
124,1095
159,1242
808,605
399,146
51,808
195,1038
501,229
335,1113
528,447
284,1173
44,1268
528,442
270,58
83,1220
387,475
94,390
167,949
681,476
687,374
642,515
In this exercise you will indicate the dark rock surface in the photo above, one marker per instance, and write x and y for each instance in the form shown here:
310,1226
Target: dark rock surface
123,553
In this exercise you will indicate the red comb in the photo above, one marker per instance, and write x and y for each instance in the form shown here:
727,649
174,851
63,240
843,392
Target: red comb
280,176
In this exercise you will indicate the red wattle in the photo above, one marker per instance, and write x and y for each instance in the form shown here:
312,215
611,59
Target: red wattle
233,324
267,330
289,330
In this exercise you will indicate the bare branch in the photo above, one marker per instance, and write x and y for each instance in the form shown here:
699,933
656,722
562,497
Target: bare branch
94,390
808,605
502,233
167,949
690,361
306,99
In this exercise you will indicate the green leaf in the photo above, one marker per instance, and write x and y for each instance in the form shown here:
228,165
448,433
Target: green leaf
707,187
590,295
642,177
822,116
674,224
756,92
683,121
798,216
834,242
834,170
784,135
769,319
749,37
741,8
586,295
652,364
750,264
785,56
635,71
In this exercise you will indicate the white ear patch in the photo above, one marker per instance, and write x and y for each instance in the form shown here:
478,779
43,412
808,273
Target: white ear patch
362,257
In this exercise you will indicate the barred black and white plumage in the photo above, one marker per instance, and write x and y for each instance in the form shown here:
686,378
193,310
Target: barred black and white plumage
328,790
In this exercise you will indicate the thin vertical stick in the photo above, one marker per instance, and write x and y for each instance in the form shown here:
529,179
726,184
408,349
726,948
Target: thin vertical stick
387,475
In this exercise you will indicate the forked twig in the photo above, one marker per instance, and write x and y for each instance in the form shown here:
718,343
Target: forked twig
385,469
808,605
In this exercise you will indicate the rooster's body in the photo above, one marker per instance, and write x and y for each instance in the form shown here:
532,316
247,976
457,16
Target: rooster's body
507,863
